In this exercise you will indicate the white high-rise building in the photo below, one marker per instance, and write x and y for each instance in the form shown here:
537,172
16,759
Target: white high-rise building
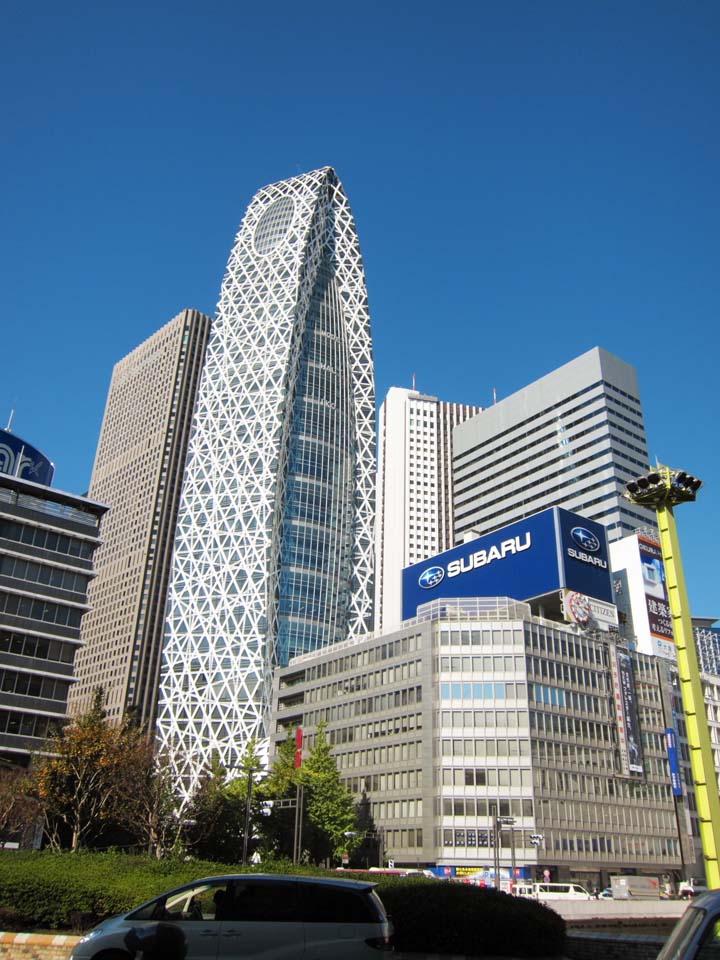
414,490
573,439
274,546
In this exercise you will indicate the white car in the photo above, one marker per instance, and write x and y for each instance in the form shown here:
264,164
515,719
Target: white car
247,916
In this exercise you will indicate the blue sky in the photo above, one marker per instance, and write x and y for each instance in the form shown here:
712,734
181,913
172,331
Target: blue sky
528,179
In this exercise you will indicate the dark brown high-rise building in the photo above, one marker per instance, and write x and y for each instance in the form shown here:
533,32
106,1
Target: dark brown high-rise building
138,472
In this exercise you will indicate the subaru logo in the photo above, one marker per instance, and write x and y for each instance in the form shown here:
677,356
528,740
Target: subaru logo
431,577
585,539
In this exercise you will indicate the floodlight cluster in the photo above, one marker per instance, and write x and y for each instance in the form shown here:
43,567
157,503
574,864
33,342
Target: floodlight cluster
663,487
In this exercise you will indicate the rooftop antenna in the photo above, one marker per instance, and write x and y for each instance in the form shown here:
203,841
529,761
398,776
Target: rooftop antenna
413,382
494,396
10,420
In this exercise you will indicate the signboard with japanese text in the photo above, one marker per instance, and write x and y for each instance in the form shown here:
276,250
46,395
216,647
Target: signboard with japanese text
626,711
653,573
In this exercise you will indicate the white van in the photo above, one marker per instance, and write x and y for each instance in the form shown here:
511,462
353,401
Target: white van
552,891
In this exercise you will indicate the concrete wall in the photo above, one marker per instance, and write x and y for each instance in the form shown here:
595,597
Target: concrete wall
608,946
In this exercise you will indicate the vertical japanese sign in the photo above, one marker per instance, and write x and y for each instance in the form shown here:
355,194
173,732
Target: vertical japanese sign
670,744
626,711
298,748
653,573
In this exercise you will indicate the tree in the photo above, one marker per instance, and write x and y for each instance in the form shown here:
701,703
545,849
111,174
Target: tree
217,814
331,812
18,809
147,801
77,781
279,793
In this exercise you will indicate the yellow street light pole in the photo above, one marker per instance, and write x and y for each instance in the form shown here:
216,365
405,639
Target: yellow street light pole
662,489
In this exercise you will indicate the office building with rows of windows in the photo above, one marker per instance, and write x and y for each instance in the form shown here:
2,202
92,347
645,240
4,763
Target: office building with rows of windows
414,490
476,710
47,542
274,545
138,472
572,439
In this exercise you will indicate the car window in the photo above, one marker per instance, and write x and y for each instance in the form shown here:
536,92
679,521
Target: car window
322,903
198,902
263,902
710,946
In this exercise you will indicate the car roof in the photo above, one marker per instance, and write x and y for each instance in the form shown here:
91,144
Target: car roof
706,901
358,885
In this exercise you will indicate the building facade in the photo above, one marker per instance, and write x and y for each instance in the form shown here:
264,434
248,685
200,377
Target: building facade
414,490
477,710
274,547
138,471
573,438
47,542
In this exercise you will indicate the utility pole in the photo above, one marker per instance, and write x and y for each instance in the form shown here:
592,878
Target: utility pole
662,489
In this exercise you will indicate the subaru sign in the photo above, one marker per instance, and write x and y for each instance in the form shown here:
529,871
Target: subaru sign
550,551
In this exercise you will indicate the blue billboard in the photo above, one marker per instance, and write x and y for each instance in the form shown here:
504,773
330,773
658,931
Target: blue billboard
550,551
19,459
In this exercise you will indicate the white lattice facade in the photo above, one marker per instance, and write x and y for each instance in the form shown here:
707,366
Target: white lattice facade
274,547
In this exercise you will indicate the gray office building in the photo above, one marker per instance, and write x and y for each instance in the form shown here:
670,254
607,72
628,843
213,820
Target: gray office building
476,711
572,439
47,542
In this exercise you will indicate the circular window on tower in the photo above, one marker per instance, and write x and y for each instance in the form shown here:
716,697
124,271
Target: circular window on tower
273,225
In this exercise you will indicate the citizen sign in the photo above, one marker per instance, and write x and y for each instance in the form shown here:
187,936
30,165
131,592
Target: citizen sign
590,544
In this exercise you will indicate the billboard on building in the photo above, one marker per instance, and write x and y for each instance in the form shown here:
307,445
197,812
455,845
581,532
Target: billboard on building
626,713
588,612
550,551
19,459
671,746
656,600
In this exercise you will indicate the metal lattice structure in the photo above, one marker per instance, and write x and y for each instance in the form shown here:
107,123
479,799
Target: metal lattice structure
274,545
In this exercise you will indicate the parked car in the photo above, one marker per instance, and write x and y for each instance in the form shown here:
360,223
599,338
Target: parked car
552,891
252,915
691,888
696,935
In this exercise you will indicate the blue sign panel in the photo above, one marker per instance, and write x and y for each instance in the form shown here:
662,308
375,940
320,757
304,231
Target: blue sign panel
675,779
549,551
19,459
584,556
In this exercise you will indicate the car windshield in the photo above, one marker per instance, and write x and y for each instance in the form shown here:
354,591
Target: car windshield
683,933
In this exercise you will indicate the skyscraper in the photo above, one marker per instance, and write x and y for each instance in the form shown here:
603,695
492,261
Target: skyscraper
138,471
572,439
274,546
414,490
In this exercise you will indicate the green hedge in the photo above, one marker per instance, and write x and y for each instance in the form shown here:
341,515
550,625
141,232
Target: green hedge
76,891
436,916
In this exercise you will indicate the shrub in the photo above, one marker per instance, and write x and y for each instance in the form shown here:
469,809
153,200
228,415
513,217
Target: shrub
441,917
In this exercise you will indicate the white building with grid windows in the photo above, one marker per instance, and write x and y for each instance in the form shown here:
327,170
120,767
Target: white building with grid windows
573,439
414,490
477,708
274,546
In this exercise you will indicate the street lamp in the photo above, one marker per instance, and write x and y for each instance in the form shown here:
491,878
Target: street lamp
662,489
